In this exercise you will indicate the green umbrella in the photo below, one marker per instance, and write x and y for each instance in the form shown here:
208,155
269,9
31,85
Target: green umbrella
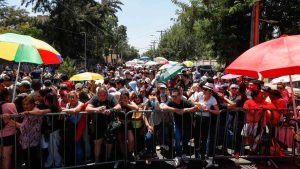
170,73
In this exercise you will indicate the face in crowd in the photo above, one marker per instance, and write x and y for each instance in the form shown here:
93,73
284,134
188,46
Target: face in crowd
176,96
102,94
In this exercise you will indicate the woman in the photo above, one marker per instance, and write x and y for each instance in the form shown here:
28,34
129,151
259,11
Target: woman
7,132
31,133
126,106
206,116
74,144
51,128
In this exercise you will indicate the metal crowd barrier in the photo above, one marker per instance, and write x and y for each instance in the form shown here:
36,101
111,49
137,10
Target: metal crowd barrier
216,137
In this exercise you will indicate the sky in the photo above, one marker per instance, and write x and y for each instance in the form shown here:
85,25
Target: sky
143,18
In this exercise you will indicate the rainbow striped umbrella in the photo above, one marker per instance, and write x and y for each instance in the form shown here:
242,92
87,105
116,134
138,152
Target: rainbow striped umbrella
23,48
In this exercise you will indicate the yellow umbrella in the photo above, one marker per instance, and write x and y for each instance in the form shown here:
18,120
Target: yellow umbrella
188,63
86,76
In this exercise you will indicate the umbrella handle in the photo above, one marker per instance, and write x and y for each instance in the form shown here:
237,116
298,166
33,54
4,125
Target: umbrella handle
17,76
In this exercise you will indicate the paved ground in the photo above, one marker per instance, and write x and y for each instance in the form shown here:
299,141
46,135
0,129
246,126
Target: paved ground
222,164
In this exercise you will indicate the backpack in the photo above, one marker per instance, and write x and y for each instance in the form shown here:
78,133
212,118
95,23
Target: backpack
2,123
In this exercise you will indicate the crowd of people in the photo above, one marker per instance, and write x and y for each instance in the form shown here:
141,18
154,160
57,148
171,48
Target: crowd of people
183,110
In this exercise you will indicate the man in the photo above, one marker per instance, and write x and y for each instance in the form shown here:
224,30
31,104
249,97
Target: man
25,87
181,109
8,84
255,118
103,104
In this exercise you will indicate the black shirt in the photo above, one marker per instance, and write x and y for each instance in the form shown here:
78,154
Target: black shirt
186,117
102,120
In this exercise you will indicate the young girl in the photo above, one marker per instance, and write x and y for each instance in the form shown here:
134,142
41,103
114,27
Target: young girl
30,136
7,133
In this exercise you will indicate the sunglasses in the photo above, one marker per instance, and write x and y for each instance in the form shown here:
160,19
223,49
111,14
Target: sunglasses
279,88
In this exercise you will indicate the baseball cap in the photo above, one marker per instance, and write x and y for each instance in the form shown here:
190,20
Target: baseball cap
78,86
163,86
25,83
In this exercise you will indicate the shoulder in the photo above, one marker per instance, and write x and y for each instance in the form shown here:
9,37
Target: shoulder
9,108
110,97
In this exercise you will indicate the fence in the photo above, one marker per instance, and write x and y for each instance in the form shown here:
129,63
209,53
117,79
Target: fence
87,139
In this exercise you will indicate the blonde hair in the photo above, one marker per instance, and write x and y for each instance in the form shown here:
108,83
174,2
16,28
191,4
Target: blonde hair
29,99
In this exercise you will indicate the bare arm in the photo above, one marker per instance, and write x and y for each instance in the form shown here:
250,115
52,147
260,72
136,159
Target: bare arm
216,110
74,110
91,108
38,112
165,107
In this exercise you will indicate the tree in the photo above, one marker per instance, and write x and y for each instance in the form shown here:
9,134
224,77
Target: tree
16,20
68,66
221,29
70,20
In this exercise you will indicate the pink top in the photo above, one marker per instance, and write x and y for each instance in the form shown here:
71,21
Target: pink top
31,131
8,130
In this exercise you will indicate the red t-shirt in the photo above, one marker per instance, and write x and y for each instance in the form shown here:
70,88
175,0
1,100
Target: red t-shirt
69,84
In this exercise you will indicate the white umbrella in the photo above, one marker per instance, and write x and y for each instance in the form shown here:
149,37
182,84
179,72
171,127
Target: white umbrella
130,63
285,79
151,63
230,76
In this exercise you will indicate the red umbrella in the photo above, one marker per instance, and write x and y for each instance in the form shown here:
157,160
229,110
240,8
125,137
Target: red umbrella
273,58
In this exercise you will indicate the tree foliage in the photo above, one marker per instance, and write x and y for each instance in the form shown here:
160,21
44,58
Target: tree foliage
221,29
68,66
68,24
16,20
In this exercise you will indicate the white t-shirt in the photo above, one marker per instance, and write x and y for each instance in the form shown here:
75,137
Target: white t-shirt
210,102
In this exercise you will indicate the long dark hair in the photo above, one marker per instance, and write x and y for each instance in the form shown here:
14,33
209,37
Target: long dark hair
53,102
3,95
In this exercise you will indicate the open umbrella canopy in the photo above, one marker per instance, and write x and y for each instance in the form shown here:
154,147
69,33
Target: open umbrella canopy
173,62
270,59
131,63
145,58
86,76
230,76
166,66
151,63
23,48
170,73
273,58
188,63
160,59
285,79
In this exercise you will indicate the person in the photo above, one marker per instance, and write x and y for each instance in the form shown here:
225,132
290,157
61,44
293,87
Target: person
209,109
102,104
73,107
51,128
31,133
255,125
284,92
25,87
127,105
182,118
7,133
